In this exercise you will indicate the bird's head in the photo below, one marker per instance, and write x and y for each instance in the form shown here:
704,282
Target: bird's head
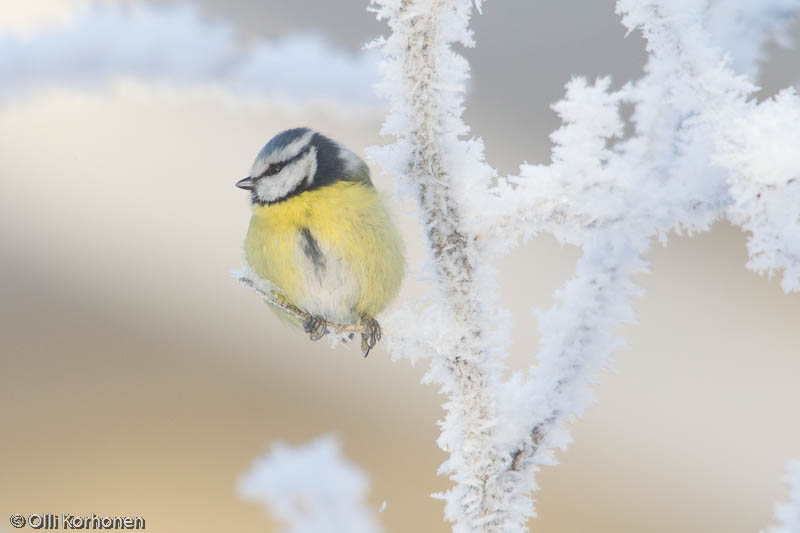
298,160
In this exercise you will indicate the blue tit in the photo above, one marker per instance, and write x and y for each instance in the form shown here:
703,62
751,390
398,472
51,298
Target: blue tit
321,233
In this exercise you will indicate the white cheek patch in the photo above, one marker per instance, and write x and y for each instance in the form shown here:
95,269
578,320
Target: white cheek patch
355,168
284,154
311,165
350,160
272,188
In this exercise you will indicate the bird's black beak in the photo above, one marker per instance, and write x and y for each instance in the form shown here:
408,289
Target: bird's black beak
246,184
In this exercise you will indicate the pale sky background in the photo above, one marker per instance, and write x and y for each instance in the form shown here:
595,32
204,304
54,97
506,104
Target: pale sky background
137,379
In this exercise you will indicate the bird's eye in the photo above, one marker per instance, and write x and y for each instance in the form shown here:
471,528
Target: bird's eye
274,168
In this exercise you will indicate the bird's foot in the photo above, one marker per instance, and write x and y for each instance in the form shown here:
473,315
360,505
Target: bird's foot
315,326
371,334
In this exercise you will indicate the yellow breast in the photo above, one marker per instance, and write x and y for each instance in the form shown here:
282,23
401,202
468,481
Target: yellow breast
352,227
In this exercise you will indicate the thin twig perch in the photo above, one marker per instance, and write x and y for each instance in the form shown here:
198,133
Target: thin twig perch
273,298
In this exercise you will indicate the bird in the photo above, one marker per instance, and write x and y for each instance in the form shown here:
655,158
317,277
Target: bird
322,234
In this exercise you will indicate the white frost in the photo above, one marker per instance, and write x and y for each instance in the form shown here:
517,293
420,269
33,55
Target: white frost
789,513
312,488
102,42
702,149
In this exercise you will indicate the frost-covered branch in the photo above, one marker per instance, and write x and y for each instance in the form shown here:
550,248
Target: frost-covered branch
755,143
423,79
765,184
668,176
789,513
701,150
312,488
102,42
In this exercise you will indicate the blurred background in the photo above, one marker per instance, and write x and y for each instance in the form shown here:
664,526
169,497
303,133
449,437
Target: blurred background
136,378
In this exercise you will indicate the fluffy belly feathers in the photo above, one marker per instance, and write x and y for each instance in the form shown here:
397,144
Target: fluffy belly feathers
334,251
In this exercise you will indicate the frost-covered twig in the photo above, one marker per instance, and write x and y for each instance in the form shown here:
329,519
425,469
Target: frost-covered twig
666,177
246,277
755,143
423,79
789,513
690,161
312,488
175,43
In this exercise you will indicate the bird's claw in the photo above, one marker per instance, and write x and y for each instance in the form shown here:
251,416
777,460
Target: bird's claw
316,327
371,334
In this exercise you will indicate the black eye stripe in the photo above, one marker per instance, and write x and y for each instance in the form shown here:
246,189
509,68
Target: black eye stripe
274,168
